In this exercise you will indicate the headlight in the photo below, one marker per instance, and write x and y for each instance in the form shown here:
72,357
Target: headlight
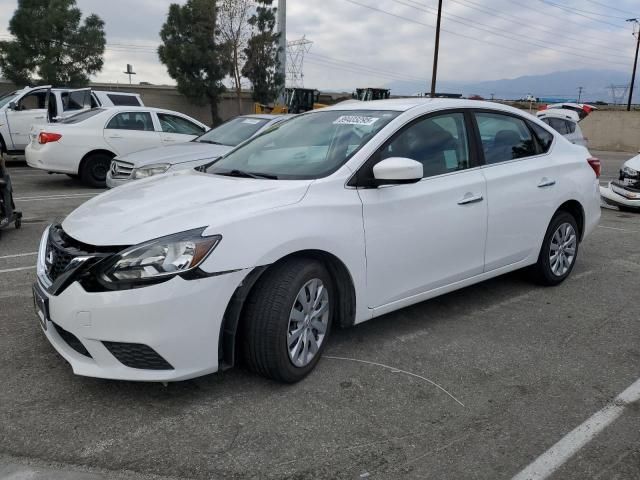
150,171
629,171
160,259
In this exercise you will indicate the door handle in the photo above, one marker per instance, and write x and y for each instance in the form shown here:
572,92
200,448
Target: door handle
115,136
38,118
469,198
545,182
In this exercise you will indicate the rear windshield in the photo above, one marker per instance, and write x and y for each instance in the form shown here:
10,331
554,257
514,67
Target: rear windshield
234,132
81,117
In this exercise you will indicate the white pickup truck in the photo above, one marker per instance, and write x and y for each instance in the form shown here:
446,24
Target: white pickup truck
21,109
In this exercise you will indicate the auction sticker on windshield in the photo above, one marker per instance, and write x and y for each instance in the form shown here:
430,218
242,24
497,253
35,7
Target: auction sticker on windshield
356,120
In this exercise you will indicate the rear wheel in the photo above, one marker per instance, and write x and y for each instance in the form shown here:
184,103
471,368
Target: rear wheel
94,170
287,320
559,250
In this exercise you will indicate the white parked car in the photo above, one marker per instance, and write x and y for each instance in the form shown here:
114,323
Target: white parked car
330,219
22,109
199,151
85,144
624,192
566,123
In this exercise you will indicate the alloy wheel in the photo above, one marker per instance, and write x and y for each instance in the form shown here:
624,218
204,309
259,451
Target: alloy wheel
562,251
308,322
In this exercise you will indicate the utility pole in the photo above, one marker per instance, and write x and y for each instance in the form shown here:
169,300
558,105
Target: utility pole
434,76
580,89
635,62
282,51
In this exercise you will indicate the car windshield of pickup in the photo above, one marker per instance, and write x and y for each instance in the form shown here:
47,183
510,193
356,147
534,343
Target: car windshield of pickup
310,146
8,98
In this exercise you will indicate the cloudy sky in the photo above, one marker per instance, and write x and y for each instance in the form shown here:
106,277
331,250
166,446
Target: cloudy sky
375,42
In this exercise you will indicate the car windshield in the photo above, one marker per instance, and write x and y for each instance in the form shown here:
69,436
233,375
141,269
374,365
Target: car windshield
306,147
8,98
81,117
234,132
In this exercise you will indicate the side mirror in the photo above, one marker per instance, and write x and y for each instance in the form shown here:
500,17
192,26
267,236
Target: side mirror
13,106
57,119
397,171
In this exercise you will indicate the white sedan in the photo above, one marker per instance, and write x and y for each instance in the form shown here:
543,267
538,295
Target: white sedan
330,219
84,144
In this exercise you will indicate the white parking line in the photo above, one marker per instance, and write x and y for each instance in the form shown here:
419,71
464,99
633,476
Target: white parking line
9,270
18,255
55,197
561,452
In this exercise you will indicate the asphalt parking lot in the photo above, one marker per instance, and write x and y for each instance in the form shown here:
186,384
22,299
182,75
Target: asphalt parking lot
473,385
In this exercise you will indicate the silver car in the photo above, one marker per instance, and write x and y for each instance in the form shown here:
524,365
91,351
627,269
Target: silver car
189,155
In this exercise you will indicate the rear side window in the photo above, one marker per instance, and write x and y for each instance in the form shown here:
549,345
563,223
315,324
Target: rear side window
545,137
557,124
504,137
571,127
79,100
131,121
124,100
175,124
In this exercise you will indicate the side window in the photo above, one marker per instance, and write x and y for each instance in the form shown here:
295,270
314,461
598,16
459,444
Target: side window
131,121
504,137
33,101
174,124
545,137
72,101
558,125
124,100
571,127
438,142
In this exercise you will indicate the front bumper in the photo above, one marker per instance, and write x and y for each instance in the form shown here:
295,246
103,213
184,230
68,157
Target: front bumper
179,319
116,182
613,198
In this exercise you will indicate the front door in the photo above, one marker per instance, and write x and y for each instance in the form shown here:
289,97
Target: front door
177,129
430,234
31,109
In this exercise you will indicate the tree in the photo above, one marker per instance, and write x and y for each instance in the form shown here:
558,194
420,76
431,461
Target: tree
235,29
262,65
52,44
196,56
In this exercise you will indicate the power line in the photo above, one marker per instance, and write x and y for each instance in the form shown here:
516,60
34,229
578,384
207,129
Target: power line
500,33
573,9
612,8
577,12
567,20
512,18
375,69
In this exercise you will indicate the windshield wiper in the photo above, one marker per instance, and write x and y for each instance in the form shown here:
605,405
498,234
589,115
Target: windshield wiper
243,174
211,142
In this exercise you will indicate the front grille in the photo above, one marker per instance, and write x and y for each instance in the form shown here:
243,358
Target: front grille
61,250
137,355
120,169
72,341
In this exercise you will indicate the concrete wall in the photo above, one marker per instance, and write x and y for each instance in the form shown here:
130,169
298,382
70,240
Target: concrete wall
613,130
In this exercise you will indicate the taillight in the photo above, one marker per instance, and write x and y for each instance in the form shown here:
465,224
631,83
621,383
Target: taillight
46,137
596,164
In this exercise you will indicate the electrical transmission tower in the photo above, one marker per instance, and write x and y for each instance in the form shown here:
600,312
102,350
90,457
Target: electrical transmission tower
618,93
296,50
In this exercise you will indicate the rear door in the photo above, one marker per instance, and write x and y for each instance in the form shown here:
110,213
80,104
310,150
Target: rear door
31,109
128,132
177,129
521,186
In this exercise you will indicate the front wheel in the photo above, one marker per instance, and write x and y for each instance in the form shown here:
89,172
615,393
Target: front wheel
559,250
287,320
94,170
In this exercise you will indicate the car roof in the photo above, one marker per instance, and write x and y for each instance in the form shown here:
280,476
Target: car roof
406,104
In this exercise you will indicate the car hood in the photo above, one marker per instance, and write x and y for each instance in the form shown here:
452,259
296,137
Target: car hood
173,203
175,154
633,163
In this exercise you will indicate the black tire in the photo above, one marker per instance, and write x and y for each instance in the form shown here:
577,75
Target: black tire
265,322
72,176
94,170
542,271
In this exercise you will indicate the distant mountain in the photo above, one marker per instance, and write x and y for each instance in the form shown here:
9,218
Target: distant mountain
596,85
